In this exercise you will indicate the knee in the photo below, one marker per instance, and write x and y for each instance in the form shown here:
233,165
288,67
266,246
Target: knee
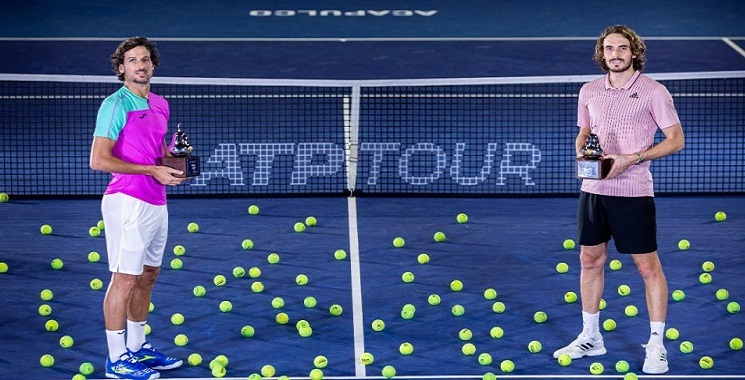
147,279
592,259
649,269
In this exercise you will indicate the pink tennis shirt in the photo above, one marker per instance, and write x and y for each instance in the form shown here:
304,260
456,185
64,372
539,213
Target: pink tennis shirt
138,126
626,120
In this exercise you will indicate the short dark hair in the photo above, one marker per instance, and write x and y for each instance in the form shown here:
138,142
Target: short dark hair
117,58
637,46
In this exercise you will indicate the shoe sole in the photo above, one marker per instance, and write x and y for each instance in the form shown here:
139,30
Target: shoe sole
659,372
170,366
596,352
115,376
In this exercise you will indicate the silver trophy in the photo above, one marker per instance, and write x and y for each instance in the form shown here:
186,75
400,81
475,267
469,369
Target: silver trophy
181,158
592,165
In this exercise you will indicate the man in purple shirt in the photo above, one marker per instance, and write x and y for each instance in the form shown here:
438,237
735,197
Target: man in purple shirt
128,141
625,109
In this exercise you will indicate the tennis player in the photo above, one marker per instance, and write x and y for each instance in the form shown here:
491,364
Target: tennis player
129,139
625,109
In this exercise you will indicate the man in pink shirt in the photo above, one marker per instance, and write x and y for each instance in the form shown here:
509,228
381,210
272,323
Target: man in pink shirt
625,109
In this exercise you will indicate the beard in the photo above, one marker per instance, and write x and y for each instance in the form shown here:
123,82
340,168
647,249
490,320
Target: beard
624,66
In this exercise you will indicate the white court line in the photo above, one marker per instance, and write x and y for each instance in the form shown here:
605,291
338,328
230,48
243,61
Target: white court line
734,46
499,376
354,262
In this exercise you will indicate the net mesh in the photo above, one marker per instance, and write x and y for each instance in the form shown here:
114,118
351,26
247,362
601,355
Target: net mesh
491,136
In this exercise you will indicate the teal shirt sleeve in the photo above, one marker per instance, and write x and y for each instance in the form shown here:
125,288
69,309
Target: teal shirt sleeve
111,118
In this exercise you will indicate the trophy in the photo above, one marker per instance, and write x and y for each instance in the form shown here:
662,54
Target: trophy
591,165
181,157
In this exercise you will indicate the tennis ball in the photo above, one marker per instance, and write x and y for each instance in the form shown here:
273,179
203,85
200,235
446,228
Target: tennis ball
45,310
686,347
367,358
399,242
570,297
219,280
622,366
507,366
311,221
569,244
615,264
301,279
302,324
630,376
320,361
489,376
462,218
46,360
609,324
148,329
226,306
315,374
177,319
490,293
684,245
282,318
195,359
254,376
46,229
254,272
458,310
199,291
388,371
177,264
151,307
181,340
596,368
94,257
733,307
192,227
562,267
735,344
179,250
498,307
310,301
631,311
335,310
406,348
46,295
496,332
86,368
278,302
96,284
707,266
299,227
423,258
407,313
540,317
247,244
672,333
378,325
456,285
222,360
94,232
57,263
468,349
678,295
434,299
239,272
340,254
407,277
268,370
101,225
722,294
485,358
305,331
51,325
66,341
4,197
253,209
706,362
3,267
535,346
439,236
247,331
465,334
602,304
624,290
720,216
705,278
272,258
218,371
564,360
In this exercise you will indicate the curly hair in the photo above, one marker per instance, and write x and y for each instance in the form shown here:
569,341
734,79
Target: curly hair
117,58
638,49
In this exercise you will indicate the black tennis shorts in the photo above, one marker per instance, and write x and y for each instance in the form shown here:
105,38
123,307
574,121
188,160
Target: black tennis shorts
630,221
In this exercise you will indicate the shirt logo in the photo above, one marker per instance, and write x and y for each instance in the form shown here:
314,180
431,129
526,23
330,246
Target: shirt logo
143,116
633,96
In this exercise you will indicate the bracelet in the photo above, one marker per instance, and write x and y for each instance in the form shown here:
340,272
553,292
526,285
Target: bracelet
639,159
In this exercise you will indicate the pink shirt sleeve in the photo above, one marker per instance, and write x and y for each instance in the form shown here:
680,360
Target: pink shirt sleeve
663,108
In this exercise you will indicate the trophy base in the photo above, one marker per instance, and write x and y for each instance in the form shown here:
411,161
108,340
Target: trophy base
589,168
189,165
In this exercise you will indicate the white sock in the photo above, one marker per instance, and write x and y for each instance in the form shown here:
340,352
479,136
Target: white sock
591,324
657,331
135,335
115,341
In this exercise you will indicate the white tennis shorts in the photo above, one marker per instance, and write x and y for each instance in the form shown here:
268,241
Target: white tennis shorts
136,233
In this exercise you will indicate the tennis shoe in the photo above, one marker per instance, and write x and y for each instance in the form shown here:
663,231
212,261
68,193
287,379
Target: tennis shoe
655,362
127,367
583,346
152,358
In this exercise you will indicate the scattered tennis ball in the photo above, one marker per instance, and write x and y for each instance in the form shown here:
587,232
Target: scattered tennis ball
624,290
66,341
507,366
46,295
94,257
407,277
388,371
315,374
192,227
706,362
179,250
305,331
219,280
335,310
564,360
498,307
406,348
705,278
340,254
320,361
247,244
609,324
465,334
86,368
247,331
468,349
562,267
222,360
569,244
434,299
489,376
268,370
302,324
94,232
615,264
46,360
226,306
177,319
707,266
272,258
439,236
57,263
722,294
101,225
540,317
735,344
51,325
3,267
311,221
535,346
254,272
458,310
496,332
485,359
596,368
367,358
45,310
672,333
46,229
733,307
254,376
299,227
239,272
177,264
686,347
148,329
602,304
631,311
151,307
301,279
282,318
253,209
490,294
678,295
195,359
310,301
378,325
407,313
218,371
720,216
423,258
278,302
684,245
462,218
622,366
4,197
456,285
570,297
199,291
96,284
399,242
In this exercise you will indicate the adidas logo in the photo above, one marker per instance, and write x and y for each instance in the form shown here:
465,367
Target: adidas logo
634,96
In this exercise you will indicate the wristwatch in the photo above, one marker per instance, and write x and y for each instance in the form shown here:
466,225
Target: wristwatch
639,159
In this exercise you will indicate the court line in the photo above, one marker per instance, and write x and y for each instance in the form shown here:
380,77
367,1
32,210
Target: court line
734,46
361,39
499,376
354,261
